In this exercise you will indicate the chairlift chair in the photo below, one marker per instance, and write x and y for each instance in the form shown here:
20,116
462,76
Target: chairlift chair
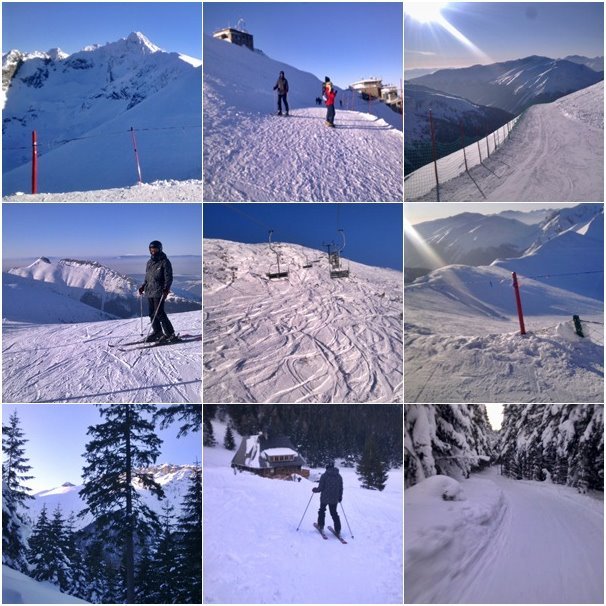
275,275
336,264
307,264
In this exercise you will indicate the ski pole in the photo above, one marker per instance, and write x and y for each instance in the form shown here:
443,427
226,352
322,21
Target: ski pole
155,314
348,526
310,498
141,306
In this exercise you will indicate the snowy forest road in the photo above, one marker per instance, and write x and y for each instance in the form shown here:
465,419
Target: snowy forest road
548,549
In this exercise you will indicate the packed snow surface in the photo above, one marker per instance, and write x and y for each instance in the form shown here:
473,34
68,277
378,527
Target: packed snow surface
74,363
509,541
253,553
18,588
250,154
555,153
306,338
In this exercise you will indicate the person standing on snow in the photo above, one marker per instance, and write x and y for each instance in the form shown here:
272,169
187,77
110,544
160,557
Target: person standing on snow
329,94
331,494
158,280
282,88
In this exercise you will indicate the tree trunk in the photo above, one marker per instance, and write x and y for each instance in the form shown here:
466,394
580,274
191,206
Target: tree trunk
130,554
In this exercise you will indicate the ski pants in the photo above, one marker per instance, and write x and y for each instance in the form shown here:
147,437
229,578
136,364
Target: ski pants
161,323
332,507
330,118
280,99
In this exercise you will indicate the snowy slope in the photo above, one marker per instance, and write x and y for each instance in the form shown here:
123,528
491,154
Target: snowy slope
74,363
308,338
504,541
513,85
554,154
18,588
253,553
95,97
174,480
250,154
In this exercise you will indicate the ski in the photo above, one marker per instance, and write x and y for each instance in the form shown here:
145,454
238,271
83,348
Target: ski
180,339
336,535
126,344
320,531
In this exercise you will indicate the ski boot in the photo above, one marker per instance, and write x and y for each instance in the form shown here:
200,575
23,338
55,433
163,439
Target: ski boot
155,336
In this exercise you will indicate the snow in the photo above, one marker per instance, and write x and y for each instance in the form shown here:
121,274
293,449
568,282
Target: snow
252,155
555,153
279,452
254,555
73,363
307,338
510,541
18,588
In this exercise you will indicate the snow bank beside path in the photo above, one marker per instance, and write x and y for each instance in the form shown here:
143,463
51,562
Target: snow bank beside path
446,538
18,588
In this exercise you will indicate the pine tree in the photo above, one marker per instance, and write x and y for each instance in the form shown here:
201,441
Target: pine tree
147,578
96,582
41,548
228,441
371,469
164,561
15,494
189,415
119,451
189,532
59,540
208,433
77,581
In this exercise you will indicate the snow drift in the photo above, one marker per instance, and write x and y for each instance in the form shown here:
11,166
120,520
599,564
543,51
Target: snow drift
18,588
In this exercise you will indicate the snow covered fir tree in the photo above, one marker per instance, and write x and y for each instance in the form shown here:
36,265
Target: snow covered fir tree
514,514
131,534
303,482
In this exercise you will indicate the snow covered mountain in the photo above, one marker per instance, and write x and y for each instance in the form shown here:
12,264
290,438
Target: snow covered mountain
514,85
595,63
83,107
450,114
555,153
174,480
88,282
306,338
251,155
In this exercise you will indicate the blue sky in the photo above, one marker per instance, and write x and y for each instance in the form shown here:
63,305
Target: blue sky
29,26
373,231
57,439
506,30
345,41
93,230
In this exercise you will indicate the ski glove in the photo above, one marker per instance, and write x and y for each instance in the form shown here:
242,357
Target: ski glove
141,289
166,291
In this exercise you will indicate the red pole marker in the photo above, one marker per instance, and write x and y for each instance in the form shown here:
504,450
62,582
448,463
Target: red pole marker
34,162
132,132
516,289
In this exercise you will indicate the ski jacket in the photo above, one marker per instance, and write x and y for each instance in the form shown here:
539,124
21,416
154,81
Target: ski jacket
330,93
281,85
330,487
158,276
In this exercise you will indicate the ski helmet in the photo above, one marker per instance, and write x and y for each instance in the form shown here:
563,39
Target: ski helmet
156,244
330,464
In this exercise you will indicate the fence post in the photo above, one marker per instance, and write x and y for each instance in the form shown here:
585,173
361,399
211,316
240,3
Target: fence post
494,135
132,132
479,151
487,148
435,160
463,144
34,162
578,328
516,289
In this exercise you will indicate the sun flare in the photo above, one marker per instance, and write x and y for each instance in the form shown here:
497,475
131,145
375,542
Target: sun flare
425,12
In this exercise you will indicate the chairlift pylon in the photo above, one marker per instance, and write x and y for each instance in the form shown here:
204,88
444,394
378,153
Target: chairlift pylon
276,275
336,264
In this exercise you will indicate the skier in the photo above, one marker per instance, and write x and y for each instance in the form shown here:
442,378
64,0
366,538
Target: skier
282,88
158,280
329,93
331,494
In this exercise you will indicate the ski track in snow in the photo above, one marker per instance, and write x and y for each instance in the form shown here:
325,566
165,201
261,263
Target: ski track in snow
254,555
546,548
278,159
555,153
73,363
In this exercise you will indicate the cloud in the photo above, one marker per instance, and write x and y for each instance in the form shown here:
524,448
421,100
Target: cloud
416,52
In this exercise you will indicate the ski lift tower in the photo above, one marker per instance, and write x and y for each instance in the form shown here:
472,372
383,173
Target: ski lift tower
275,275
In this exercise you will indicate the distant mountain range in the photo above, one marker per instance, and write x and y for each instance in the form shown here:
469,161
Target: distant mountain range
515,85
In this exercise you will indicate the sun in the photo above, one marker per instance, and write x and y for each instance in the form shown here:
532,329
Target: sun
425,12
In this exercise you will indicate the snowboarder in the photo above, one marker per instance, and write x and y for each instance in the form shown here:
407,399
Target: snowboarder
158,280
329,93
331,494
282,88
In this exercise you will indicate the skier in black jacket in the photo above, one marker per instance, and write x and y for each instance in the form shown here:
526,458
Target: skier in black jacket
282,88
158,280
331,494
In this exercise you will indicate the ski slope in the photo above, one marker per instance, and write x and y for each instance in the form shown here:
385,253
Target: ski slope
250,154
254,555
74,363
18,588
507,541
307,338
554,154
